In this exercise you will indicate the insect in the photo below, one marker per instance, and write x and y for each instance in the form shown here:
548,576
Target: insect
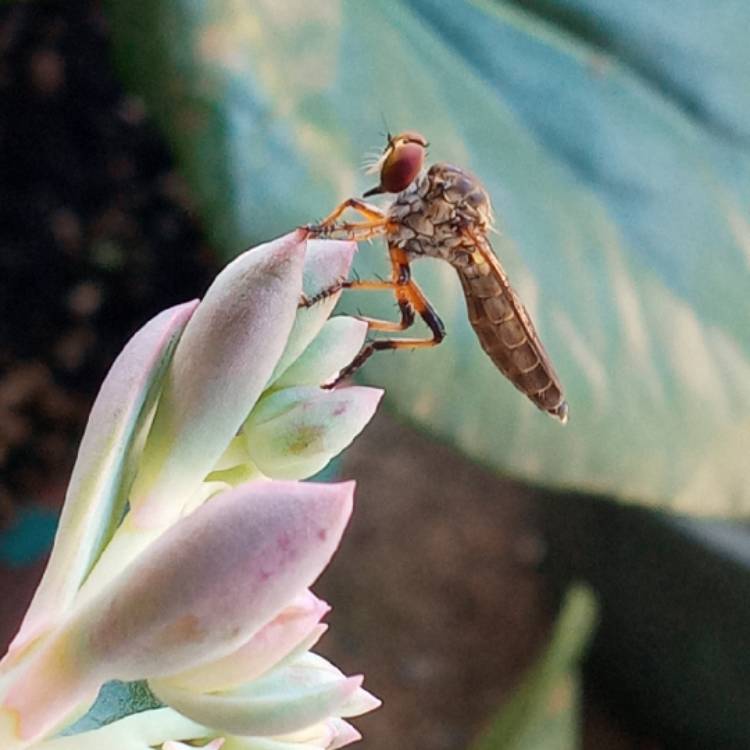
443,212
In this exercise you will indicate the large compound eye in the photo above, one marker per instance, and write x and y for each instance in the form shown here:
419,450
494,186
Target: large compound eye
400,163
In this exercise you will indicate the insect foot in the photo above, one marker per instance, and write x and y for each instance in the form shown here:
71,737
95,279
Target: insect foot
337,286
318,230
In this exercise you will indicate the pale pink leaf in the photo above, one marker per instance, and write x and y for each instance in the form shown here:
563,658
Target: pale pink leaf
295,432
220,367
104,456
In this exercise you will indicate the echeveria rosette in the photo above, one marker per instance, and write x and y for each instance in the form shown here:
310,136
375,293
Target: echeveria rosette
203,429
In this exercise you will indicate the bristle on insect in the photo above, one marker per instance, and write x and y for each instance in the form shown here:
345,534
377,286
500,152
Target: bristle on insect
372,161
374,166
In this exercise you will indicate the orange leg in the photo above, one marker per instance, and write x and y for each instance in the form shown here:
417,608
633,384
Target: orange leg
376,223
417,302
410,299
373,213
376,324
400,275
357,231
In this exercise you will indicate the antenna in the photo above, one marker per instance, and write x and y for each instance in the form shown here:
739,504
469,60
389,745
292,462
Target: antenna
387,133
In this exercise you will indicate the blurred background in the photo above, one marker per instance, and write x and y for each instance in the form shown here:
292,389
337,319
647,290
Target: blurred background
506,582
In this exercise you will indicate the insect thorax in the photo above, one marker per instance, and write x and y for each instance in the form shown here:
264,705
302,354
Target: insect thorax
433,213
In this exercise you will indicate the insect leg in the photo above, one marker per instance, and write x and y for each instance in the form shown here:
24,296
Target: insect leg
400,276
376,222
344,284
374,324
427,312
400,280
358,231
407,320
411,299
373,213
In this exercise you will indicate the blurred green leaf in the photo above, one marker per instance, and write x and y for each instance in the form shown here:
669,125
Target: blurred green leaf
613,138
544,711
670,652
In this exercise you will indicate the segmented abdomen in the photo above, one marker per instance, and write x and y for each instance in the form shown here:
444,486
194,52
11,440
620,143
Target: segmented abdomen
507,334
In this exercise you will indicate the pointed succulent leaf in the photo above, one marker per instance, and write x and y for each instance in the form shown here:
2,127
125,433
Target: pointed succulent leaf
303,646
295,432
338,342
360,702
310,669
329,734
326,263
130,540
95,488
273,642
257,710
219,369
245,555
281,702
344,734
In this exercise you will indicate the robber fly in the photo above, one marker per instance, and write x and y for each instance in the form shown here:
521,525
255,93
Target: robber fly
444,213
